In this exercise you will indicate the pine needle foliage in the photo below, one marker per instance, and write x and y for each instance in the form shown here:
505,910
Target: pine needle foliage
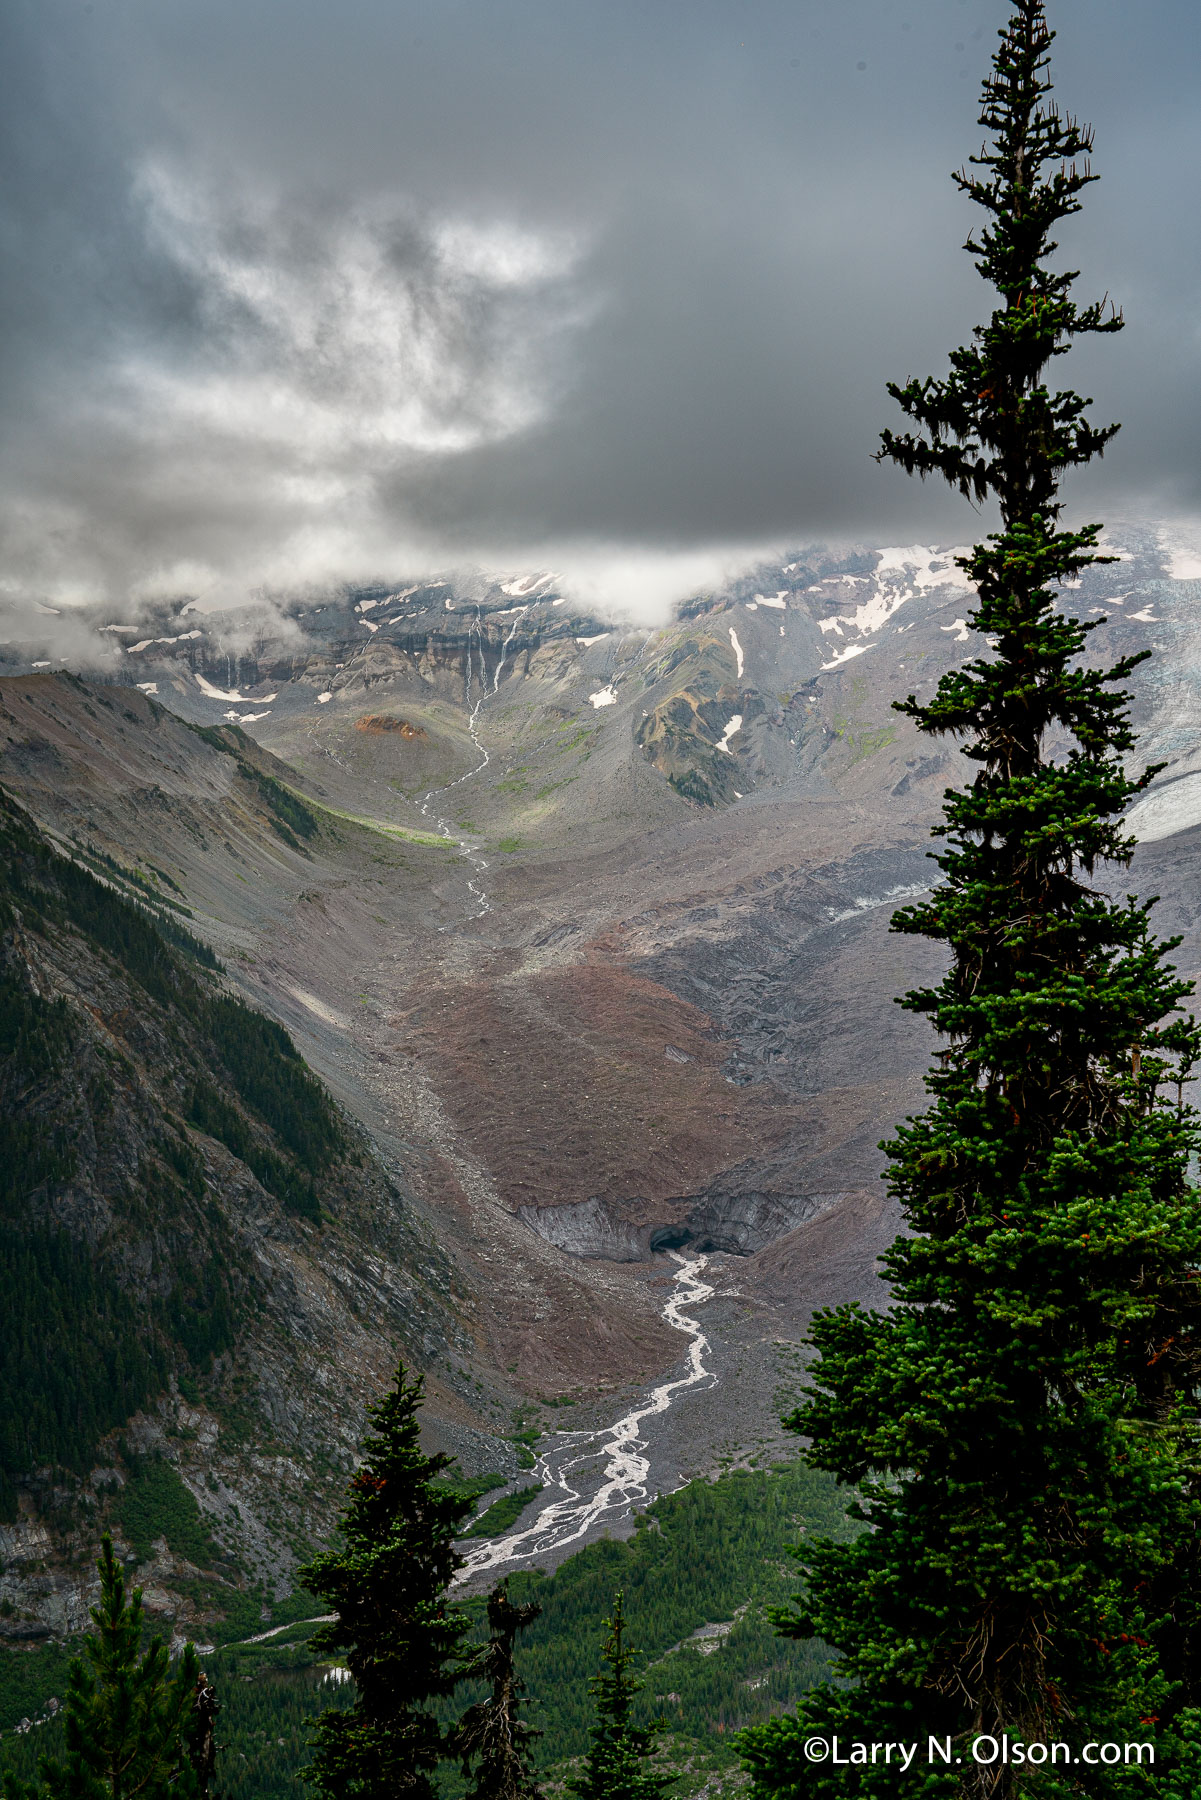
492,1734
615,1765
400,1637
1022,1422
130,1716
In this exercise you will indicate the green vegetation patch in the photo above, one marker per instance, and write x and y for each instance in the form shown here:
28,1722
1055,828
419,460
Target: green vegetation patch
155,1503
28,1678
75,1359
471,1487
291,815
228,739
524,1442
145,890
691,785
713,1553
502,1513
863,740
382,826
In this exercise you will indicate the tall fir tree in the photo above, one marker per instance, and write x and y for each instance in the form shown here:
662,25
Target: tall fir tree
387,1582
494,1741
1021,1423
615,1766
129,1716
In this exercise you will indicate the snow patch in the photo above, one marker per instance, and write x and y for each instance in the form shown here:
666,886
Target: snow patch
216,693
733,727
903,572
868,902
322,698
1147,616
779,600
593,640
605,696
183,638
148,687
844,656
926,569
737,651
1184,565
525,585
959,627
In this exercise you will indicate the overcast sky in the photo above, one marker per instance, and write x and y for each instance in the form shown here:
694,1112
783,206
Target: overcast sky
299,291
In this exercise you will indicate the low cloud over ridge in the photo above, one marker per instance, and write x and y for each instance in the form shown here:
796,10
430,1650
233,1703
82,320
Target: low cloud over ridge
301,294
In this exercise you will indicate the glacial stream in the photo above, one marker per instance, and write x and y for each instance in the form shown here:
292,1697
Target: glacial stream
467,848
595,1477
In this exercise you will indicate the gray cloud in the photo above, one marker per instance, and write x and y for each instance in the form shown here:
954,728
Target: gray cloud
298,292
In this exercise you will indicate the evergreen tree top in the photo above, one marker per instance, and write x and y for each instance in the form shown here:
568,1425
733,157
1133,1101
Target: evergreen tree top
615,1766
398,1525
991,427
387,1582
129,1716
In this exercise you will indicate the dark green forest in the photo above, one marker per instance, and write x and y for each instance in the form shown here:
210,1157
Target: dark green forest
715,1553
98,1316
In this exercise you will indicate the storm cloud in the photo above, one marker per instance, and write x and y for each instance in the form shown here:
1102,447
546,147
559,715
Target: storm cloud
296,293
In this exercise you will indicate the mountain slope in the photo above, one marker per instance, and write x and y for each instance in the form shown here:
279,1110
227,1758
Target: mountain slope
588,925
203,1264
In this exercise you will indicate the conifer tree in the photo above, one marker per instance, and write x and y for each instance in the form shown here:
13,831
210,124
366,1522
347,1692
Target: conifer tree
387,1582
1022,1422
615,1766
128,1715
492,1734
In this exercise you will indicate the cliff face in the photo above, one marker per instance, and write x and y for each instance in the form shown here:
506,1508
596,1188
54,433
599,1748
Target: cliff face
207,1271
